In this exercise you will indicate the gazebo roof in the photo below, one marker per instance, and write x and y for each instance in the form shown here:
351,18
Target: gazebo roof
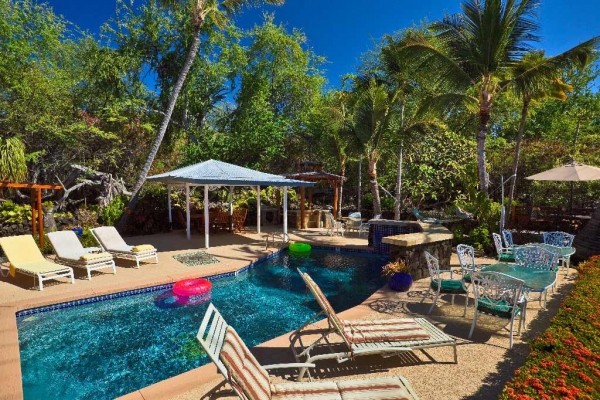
213,172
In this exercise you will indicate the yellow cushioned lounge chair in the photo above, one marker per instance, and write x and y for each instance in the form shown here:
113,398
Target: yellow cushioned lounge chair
69,251
250,380
112,242
362,337
26,258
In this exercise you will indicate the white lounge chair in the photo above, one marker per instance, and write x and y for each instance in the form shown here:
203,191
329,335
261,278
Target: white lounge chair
250,380
363,337
69,251
26,258
112,242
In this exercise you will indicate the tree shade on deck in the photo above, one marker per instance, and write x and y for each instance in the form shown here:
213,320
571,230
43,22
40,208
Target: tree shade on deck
213,173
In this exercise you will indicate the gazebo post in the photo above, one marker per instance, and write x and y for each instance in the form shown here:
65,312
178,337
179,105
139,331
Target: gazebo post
33,210
187,211
206,216
285,211
258,209
169,206
40,216
302,224
310,203
335,199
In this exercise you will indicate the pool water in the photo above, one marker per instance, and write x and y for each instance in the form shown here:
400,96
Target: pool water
111,348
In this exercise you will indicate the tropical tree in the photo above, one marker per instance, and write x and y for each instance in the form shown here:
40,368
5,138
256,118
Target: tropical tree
547,85
218,12
375,116
13,165
477,49
339,138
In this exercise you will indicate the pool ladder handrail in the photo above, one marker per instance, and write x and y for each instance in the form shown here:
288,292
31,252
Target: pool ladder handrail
284,237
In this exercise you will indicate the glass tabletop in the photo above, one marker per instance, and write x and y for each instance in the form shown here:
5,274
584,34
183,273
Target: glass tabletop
533,279
561,251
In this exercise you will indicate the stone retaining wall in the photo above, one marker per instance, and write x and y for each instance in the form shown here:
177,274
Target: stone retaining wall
435,239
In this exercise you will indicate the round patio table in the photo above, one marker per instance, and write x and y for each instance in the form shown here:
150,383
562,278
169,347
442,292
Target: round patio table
534,280
561,252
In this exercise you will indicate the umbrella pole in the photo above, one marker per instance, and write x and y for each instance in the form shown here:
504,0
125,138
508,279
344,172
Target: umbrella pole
571,199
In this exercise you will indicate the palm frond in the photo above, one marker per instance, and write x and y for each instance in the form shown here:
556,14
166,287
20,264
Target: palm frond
447,102
535,71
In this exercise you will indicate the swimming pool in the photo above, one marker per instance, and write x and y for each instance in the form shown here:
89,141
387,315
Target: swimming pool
110,348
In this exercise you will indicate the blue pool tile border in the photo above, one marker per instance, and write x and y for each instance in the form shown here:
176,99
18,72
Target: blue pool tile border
166,286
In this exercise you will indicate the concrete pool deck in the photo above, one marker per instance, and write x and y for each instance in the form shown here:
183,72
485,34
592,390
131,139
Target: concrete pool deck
485,360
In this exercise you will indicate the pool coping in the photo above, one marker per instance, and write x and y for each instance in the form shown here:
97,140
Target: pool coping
10,368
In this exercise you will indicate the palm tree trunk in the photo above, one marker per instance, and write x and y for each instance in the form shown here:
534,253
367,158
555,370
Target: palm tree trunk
343,175
513,186
359,194
397,204
484,118
189,61
373,183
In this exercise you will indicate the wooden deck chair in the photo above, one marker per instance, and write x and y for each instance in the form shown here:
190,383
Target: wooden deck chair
363,337
239,218
69,251
250,380
26,258
110,241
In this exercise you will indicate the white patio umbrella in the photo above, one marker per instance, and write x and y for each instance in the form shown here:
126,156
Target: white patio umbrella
572,172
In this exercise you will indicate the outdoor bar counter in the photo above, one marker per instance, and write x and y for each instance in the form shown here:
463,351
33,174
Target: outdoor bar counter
408,240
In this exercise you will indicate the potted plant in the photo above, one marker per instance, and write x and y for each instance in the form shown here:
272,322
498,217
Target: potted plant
398,276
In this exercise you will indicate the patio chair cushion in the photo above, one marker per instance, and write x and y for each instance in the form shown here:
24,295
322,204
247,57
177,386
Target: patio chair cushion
243,367
370,389
305,391
500,309
507,257
449,286
95,256
140,248
22,251
363,389
376,331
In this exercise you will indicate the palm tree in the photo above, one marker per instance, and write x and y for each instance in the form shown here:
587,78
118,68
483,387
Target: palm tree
340,136
217,11
477,50
375,117
548,85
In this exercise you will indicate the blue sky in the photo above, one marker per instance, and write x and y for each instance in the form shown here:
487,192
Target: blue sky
342,30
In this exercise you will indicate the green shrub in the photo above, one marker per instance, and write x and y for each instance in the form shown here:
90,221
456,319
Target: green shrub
11,213
481,239
112,212
563,363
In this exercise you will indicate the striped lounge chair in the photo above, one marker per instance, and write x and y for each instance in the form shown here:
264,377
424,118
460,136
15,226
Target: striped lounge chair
112,242
250,381
69,251
26,258
362,337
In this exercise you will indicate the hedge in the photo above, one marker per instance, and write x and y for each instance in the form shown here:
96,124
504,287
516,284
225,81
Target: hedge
563,363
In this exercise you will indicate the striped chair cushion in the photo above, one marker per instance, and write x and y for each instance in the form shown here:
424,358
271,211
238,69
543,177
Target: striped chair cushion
306,391
390,330
247,374
374,389
364,389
